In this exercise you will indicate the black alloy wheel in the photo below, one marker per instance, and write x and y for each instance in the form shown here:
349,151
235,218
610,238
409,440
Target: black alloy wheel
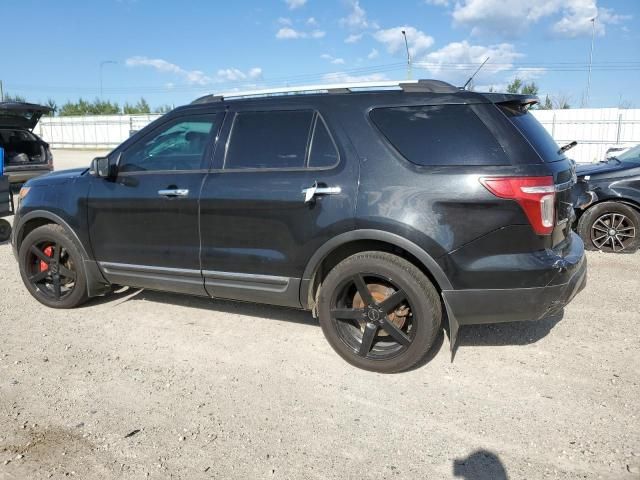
51,267
51,270
373,316
379,312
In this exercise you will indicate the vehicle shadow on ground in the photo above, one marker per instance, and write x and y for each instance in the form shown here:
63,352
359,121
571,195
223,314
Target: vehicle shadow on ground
503,334
269,312
480,465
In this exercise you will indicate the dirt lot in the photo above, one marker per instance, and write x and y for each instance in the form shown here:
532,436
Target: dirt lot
167,386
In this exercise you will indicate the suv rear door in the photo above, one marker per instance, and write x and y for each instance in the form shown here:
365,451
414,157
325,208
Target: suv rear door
259,223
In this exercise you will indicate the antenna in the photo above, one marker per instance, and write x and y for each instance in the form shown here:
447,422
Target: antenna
475,73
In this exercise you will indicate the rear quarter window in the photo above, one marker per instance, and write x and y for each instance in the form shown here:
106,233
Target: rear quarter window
539,138
439,135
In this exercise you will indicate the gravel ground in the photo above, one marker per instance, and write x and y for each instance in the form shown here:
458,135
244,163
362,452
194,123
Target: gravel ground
167,386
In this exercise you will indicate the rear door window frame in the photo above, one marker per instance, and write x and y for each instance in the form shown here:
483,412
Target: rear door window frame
317,116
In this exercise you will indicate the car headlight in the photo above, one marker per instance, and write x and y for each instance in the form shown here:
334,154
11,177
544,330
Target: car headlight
24,191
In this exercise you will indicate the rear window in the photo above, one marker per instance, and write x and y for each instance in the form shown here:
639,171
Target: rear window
438,135
534,132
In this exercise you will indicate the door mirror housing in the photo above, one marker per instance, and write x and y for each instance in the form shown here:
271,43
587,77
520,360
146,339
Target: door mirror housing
104,167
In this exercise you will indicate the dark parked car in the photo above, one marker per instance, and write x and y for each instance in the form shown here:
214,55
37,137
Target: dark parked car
386,213
610,221
25,154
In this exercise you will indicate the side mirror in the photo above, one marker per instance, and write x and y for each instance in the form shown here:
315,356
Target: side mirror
103,167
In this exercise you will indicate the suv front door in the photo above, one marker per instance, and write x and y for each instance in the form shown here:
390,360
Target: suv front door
144,224
258,232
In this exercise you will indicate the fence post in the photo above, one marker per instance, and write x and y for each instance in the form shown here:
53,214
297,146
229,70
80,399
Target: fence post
619,128
553,125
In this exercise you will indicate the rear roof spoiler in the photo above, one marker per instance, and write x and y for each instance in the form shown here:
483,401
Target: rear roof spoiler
511,98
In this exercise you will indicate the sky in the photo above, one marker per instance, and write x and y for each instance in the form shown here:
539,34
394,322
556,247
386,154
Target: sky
171,52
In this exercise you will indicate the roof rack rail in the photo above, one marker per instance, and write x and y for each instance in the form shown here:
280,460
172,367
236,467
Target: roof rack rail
433,86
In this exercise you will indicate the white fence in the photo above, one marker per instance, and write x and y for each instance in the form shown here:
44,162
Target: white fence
95,132
595,129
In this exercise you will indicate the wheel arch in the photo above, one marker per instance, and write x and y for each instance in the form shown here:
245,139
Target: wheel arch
96,283
349,243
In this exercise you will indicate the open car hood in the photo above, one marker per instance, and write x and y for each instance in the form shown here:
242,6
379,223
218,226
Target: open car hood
20,114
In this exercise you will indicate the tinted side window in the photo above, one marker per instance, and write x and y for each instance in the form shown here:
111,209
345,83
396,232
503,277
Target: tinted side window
276,139
323,151
178,145
534,132
439,135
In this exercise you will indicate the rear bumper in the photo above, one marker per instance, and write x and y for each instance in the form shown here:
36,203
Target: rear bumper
476,306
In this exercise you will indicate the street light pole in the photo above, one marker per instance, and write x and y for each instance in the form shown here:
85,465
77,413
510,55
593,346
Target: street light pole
593,37
102,64
406,44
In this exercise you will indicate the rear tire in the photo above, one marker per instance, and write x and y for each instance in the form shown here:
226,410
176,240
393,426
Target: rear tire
379,312
610,227
51,267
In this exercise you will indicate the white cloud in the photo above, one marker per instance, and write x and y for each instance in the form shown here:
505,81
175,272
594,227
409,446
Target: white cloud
353,38
235,75
373,54
288,33
418,41
196,77
293,4
285,21
493,17
463,55
312,21
332,59
437,3
343,77
357,17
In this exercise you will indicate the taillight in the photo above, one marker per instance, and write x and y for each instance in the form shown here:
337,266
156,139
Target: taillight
536,196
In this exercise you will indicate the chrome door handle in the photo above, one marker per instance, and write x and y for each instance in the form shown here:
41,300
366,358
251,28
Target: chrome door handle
174,192
311,192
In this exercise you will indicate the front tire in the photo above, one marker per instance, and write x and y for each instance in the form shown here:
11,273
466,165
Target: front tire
379,312
610,227
52,269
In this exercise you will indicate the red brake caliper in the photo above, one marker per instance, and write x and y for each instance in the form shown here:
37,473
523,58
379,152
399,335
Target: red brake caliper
48,251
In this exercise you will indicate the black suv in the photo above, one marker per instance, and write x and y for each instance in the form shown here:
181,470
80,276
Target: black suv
384,212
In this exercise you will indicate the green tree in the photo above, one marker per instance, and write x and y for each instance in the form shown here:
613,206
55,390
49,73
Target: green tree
163,108
141,107
51,103
514,86
547,104
14,98
84,107
518,86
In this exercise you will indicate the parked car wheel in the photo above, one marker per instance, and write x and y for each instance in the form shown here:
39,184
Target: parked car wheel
51,267
379,312
5,230
610,227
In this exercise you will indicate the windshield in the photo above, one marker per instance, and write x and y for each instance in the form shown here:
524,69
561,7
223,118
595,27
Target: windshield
631,155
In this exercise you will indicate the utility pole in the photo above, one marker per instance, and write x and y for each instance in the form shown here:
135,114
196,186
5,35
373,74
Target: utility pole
102,64
406,44
1,92
593,38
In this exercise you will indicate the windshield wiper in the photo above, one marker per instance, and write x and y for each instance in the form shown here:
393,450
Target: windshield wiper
568,146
